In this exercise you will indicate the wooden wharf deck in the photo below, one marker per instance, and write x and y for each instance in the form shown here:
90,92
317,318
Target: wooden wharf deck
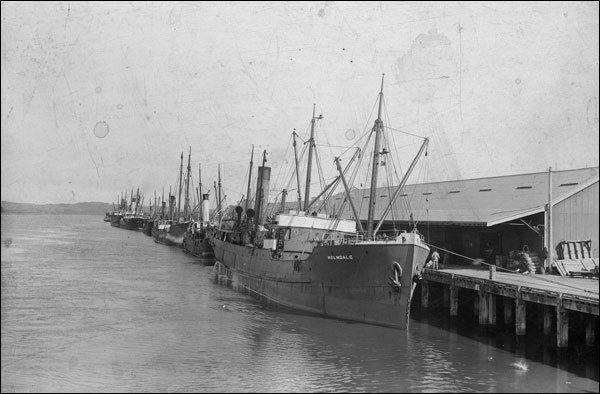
558,294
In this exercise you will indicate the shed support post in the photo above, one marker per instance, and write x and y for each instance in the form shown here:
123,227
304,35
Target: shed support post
483,308
446,295
562,326
547,320
453,301
424,294
491,301
520,315
590,330
508,310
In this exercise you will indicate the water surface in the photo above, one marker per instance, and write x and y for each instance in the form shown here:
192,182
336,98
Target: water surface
90,307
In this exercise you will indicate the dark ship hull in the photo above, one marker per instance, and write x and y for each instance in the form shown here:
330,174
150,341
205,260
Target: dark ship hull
170,234
133,223
148,226
115,219
197,244
343,281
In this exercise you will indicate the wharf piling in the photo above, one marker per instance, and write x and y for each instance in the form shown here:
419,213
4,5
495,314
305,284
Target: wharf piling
558,296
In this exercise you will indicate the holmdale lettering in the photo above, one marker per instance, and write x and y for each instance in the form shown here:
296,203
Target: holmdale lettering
340,257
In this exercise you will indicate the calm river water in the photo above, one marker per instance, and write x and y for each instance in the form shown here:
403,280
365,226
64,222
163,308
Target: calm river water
90,307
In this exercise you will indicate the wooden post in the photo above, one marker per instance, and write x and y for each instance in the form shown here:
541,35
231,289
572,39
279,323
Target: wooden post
424,294
492,269
491,301
483,308
590,331
562,326
508,310
446,296
547,320
476,306
453,301
550,247
520,315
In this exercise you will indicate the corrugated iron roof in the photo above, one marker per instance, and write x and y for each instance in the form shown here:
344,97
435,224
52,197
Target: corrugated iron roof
481,201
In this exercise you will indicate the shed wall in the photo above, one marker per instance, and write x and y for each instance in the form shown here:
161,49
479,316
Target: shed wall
576,218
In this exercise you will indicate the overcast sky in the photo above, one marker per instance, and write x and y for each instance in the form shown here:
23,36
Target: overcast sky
102,97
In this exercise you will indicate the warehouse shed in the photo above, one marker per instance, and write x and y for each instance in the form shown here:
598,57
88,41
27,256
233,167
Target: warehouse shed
490,217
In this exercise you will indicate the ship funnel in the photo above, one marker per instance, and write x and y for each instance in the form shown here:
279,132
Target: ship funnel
238,211
250,216
262,193
205,208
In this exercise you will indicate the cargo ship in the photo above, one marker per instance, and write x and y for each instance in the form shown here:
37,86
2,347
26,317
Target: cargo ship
195,239
322,264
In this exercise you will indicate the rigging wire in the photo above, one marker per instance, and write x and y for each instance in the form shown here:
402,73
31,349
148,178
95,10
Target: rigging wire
404,203
404,132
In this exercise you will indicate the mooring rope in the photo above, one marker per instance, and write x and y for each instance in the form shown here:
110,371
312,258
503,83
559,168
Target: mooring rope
479,261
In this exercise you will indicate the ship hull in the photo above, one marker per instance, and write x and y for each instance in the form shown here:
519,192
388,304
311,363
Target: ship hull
133,223
148,226
198,245
343,281
171,235
115,220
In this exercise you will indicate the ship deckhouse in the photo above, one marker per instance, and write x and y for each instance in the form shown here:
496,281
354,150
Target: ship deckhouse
319,222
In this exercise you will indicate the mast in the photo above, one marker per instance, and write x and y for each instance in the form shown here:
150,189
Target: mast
155,205
199,193
137,200
356,217
259,190
297,173
377,128
219,196
187,187
249,179
180,178
162,203
311,145
548,226
217,202
170,204
401,185
131,200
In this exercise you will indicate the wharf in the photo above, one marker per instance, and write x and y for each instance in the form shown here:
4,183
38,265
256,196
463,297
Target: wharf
558,295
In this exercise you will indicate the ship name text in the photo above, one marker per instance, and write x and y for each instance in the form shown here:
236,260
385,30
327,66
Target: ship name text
340,257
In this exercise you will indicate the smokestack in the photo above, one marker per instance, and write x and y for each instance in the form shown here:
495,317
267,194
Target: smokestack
262,193
283,198
238,211
205,208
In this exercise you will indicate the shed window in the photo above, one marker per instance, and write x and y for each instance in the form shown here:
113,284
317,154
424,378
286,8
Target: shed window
570,184
524,187
485,190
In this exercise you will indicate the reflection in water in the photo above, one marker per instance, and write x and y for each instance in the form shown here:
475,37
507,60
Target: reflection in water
90,307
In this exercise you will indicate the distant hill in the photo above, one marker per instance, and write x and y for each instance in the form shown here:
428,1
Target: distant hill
80,208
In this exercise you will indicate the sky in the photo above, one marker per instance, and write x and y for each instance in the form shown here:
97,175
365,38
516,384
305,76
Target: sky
103,97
